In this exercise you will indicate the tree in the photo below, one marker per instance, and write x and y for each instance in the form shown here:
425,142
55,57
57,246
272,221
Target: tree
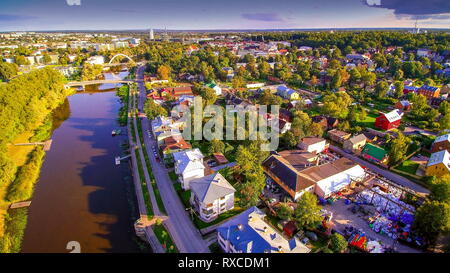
91,72
399,86
338,242
440,188
307,213
336,105
163,72
21,60
154,110
285,211
208,95
431,219
381,89
216,146
399,147
7,71
289,139
444,123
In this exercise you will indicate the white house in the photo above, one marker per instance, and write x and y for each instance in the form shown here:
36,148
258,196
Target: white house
96,60
314,145
188,166
211,196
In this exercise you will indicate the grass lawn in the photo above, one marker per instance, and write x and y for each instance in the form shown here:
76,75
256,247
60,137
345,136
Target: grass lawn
164,238
369,121
173,176
201,225
408,166
184,195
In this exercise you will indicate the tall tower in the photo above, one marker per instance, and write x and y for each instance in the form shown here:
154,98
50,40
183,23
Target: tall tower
152,35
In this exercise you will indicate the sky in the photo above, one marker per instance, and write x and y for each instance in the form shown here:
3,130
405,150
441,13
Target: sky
41,15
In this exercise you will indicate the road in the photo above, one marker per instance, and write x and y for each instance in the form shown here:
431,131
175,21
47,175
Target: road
186,236
385,173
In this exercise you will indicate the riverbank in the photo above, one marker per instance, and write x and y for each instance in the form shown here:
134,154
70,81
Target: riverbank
28,160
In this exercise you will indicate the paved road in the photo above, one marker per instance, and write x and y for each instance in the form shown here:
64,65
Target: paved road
186,236
385,173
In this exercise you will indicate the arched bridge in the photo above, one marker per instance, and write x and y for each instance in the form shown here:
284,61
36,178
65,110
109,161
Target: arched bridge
84,83
120,55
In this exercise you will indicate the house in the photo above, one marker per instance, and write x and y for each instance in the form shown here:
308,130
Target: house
403,105
338,136
314,145
211,196
374,153
174,144
96,60
323,180
188,166
441,143
215,87
178,91
161,124
429,91
249,232
287,93
409,89
439,164
355,143
326,122
220,158
388,121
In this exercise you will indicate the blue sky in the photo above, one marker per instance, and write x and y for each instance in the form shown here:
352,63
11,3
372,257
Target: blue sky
220,14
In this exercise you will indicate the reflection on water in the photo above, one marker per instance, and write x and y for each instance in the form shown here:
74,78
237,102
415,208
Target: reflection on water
82,195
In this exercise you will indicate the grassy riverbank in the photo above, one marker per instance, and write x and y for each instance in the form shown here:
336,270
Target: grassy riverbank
26,116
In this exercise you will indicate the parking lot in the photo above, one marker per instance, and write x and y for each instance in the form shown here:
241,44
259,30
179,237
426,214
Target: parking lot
343,216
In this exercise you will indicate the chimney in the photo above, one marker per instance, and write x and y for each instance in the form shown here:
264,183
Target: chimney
240,227
265,229
280,248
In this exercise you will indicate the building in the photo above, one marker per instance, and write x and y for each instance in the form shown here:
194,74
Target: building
188,166
96,60
338,136
326,123
374,153
249,232
356,143
287,93
178,91
388,121
429,91
174,144
295,177
215,87
403,105
441,143
314,145
439,164
211,196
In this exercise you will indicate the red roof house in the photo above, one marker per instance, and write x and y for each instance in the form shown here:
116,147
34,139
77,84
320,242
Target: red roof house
387,121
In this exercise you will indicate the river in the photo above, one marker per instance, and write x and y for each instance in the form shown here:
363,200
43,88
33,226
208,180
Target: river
82,195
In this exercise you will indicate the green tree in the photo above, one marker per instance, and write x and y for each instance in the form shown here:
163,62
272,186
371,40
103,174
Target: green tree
163,72
440,189
338,243
285,211
399,86
216,146
307,213
209,95
381,89
399,147
431,219
154,110
8,71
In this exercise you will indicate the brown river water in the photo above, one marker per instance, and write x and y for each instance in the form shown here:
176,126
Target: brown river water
82,195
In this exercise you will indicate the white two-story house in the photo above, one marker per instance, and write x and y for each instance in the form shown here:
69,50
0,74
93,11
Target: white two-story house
188,166
211,196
